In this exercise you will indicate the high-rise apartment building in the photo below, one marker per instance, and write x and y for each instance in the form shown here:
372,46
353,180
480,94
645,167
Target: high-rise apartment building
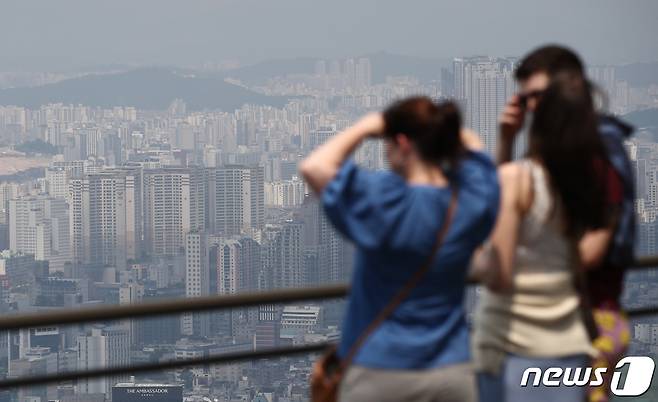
197,281
79,204
39,225
57,182
8,191
327,256
483,85
363,78
174,205
131,293
643,158
237,262
236,199
106,211
283,261
102,347
349,71
285,193
228,266
19,271
320,136
306,123
604,77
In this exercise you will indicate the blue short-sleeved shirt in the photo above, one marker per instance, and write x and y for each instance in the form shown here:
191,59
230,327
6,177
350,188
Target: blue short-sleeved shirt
394,226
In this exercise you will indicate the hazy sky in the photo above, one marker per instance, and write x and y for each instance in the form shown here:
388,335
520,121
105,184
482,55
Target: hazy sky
64,34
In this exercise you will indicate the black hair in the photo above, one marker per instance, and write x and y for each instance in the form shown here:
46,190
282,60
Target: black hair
564,137
550,59
433,128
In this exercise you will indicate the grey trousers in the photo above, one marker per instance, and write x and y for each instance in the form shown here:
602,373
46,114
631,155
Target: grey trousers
454,383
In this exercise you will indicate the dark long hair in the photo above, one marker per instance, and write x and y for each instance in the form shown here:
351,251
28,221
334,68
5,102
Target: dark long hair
550,59
433,128
564,137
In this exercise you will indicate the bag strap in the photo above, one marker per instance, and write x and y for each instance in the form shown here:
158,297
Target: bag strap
582,287
408,287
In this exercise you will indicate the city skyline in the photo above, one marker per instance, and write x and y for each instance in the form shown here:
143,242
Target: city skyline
182,203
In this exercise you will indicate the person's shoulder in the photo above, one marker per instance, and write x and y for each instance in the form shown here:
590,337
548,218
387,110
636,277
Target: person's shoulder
471,140
510,173
477,172
364,204
384,181
353,179
612,125
478,162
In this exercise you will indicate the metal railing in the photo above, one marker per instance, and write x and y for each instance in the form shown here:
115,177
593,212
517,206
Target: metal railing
175,306
167,365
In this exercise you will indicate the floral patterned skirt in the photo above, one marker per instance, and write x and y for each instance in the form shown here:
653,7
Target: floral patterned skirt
612,343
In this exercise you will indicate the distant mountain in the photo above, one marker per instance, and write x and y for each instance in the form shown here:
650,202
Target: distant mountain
150,89
383,65
643,118
638,74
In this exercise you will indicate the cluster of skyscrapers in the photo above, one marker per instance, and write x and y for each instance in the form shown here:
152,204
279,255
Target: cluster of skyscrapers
138,205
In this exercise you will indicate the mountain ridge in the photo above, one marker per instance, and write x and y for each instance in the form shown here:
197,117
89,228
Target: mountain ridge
146,88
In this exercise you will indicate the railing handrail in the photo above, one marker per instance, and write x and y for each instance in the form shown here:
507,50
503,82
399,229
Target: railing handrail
649,261
166,365
62,316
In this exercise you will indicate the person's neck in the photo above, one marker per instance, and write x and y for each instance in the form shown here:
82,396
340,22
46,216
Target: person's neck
425,174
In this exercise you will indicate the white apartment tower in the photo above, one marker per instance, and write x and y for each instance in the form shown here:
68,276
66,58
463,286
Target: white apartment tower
483,85
174,205
106,211
39,225
57,182
285,193
236,197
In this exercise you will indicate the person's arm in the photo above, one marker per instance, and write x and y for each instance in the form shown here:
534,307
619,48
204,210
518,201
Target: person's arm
322,165
593,247
493,265
471,140
510,123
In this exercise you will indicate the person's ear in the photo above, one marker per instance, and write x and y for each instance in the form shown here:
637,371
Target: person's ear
403,142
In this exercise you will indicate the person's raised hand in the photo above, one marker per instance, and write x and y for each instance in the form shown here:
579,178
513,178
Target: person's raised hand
372,124
511,119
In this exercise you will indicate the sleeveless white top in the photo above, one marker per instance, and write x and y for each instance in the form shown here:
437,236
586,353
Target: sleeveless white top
540,316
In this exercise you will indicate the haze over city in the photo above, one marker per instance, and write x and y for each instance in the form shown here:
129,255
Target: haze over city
149,151
74,34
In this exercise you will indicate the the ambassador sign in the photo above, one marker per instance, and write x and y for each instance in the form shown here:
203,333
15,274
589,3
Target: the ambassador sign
144,392
147,390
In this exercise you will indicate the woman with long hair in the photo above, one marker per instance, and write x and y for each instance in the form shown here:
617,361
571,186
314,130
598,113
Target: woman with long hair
415,227
554,221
